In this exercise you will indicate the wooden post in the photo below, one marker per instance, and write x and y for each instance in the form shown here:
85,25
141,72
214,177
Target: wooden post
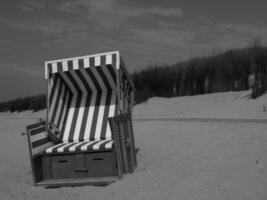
115,137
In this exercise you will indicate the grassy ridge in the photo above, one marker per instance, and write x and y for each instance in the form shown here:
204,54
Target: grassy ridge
34,103
233,70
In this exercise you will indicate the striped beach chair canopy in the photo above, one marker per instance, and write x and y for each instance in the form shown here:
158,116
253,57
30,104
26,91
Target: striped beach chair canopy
82,93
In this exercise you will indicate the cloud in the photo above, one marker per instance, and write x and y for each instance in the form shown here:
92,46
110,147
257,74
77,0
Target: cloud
117,7
78,5
19,70
169,37
45,27
32,5
153,32
250,30
227,35
4,41
169,40
110,13
168,12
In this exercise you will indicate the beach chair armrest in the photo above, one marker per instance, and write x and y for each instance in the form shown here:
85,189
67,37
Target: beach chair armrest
38,139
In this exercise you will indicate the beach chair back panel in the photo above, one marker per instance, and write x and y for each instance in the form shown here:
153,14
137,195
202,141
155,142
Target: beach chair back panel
59,98
92,84
37,138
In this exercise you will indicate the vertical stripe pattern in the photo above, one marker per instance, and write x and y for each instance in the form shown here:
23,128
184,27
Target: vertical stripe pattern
59,96
82,96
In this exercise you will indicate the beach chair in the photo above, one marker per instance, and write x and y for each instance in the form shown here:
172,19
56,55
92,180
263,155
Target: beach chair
87,136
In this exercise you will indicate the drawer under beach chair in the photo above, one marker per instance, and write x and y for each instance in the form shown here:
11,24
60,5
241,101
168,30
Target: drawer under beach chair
96,164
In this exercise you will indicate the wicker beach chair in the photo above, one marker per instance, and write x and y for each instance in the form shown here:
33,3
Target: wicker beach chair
87,137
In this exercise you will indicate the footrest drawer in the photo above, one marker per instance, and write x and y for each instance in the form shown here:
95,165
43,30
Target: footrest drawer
77,165
62,166
101,165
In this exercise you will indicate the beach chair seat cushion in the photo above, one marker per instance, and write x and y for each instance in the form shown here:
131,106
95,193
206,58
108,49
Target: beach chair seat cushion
81,146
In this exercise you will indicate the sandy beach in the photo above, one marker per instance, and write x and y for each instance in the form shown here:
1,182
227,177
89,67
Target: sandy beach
176,159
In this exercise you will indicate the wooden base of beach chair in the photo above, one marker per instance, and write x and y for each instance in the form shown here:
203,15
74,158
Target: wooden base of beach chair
79,165
99,181
95,168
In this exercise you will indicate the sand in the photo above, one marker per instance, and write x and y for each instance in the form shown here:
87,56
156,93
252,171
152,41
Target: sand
176,160
217,105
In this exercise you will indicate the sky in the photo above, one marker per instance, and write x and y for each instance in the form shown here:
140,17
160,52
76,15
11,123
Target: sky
144,31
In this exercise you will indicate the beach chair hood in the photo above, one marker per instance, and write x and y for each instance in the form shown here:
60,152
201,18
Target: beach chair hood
82,96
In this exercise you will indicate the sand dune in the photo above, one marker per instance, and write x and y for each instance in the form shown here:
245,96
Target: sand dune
216,105
177,160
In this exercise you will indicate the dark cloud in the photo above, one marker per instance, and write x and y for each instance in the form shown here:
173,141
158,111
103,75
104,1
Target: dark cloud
33,5
33,31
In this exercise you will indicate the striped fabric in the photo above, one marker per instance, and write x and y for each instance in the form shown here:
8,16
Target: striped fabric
111,58
59,99
82,96
81,146
38,139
